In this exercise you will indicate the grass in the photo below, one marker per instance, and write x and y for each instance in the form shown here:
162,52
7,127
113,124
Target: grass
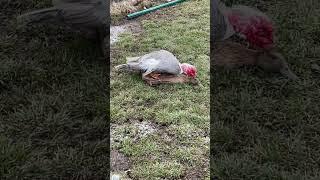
179,113
262,126
53,102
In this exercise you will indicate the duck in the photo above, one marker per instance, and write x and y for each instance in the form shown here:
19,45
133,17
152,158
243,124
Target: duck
245,37
160,67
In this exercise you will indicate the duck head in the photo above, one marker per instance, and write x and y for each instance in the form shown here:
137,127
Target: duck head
251,24
189,70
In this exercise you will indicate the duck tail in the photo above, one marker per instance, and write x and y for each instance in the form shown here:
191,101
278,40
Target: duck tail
122,68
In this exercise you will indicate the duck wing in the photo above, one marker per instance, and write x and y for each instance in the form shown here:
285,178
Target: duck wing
161,61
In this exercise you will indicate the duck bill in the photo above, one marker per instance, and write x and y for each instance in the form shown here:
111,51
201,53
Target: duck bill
288,73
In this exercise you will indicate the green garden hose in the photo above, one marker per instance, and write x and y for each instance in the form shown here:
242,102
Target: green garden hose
146,11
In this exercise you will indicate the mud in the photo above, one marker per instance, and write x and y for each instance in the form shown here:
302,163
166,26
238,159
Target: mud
133,27
119,162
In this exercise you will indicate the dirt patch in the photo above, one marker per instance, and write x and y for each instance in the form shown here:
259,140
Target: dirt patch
193,174
119,162
115,31
196,173
135,130
145,128
123,25
133,27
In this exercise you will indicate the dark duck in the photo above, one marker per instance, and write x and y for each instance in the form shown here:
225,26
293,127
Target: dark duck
245,37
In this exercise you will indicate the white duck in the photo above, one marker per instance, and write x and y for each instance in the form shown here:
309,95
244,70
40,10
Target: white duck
160,65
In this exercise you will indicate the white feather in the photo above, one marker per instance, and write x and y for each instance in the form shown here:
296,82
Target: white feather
150,64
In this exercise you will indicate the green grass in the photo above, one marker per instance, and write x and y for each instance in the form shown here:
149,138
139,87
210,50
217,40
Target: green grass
53,102
264,127
179,113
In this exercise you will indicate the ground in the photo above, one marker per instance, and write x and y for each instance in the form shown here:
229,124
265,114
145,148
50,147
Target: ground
263,126
163,131
53,101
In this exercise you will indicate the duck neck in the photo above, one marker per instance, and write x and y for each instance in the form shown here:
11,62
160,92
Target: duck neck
181,70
